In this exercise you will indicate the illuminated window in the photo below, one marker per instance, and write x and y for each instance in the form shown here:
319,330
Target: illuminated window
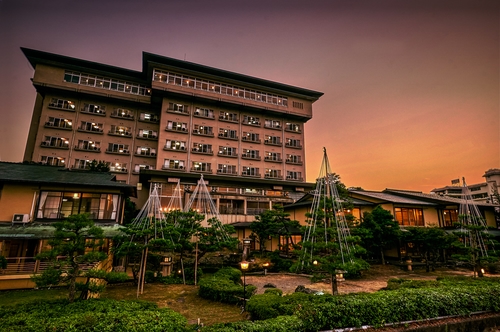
409,216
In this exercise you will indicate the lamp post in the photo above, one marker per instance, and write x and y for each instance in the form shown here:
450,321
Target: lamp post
246,248
244,267
265,265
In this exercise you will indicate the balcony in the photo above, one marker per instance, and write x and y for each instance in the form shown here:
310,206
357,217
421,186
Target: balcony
273,159
200,114
122,133
293,129
250,140
271,142
224,136
91,130
228,119
198,170
120,151
271,176
291,178
201,133
56,145
175,149
146,154
153,119
250,174
176,169
118,170
151,137
225,154
65,125
88,149
293,146
202,151
222,171
177,111
272,126
293,162
119,115
182,130
249,156
251,123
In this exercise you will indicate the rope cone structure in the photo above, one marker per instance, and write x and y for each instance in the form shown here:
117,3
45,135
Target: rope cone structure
175,202
326,188
201,201
470,216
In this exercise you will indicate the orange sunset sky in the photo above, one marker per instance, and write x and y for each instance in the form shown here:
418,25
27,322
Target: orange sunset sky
411,88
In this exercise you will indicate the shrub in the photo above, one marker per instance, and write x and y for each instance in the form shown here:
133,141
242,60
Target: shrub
275,291
217,288
278,263
91,315
278,324
229,273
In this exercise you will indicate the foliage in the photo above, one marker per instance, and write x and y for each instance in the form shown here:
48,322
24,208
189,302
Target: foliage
275,291
229,273
223,289
378,231
3,262
278,324
279,263
91,315
76,242
270,223
98,166
430,241
130,211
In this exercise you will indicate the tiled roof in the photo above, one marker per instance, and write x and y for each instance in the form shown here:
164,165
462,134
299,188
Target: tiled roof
43,174
440,199
388,197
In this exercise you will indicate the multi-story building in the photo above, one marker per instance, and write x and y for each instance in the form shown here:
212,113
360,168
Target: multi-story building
170,123
481,192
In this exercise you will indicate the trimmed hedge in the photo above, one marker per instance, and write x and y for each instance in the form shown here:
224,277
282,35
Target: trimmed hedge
275,291
278,324
91,315
222,289
229,273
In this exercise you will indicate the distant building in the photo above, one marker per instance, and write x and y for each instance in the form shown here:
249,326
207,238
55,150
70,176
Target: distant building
170,123
481,192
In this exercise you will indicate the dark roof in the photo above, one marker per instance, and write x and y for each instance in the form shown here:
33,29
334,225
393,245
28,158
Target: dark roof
306,200
391,197
440,199
149,58
52,175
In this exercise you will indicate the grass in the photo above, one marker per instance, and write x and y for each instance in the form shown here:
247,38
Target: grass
183,299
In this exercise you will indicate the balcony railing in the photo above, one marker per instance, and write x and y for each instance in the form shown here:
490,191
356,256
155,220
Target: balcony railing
124,133
89,148
62,125
30,265
250,156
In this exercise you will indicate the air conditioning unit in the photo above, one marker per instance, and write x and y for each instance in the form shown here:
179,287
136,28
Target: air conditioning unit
21,218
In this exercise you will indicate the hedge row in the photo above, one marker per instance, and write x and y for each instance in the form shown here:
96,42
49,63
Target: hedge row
224,286
90,315
329,312
278,324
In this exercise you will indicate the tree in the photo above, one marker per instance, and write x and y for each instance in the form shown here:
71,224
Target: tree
270,223
430,241
76,243
98,166
378,231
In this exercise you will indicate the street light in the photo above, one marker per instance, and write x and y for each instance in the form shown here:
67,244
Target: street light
244,267
265,265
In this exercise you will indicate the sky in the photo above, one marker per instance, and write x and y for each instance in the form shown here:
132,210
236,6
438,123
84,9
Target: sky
411,88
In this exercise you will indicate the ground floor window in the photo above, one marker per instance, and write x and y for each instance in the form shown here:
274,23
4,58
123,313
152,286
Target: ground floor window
409,216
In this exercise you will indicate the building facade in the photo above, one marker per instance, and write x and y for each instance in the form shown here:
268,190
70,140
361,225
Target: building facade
170,123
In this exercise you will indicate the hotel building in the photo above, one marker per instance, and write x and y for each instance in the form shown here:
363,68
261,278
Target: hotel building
171,122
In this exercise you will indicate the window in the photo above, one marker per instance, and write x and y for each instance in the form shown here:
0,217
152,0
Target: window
203,130
94,109
146,133
293,159
175,145
82,163
273,156
218,88
293,143
227,169
118,148
250,137
145,151
287,242
122,113
91,127
176,126
59,205
292,175
409,216
53,161
118,167
88,145
62,104
204,112
273,140
250,154
449,217
228,133
173,164
55,142
106,83
226,116
298,105
202,148
120,131
272,173
59,123
228,151
201,167
250,171
177,108
138,167
272,124
148,117
292,127
251,120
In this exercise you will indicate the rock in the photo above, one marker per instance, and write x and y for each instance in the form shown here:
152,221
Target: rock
303,289
269,285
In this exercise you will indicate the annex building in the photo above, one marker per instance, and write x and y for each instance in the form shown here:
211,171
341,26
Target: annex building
170,123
